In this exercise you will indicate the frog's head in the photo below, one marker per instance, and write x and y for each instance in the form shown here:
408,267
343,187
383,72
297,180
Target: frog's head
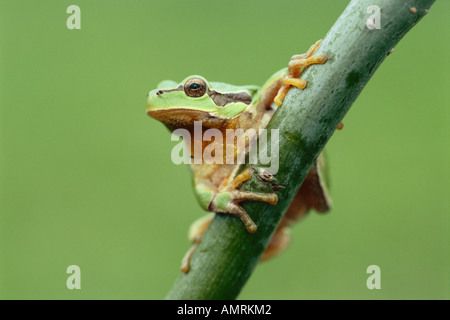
194,99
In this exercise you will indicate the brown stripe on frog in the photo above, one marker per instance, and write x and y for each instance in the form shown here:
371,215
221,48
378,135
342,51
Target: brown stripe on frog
222,99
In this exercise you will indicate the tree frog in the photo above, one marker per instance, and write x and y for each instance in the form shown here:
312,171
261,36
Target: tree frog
223,106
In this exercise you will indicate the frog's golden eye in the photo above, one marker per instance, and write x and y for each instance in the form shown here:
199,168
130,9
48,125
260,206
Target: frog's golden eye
195,87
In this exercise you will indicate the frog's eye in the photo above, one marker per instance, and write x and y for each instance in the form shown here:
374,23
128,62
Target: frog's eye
195,87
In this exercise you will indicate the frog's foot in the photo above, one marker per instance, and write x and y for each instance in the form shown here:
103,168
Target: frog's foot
185,263
228,199
227,202
196,232
295,68
278,243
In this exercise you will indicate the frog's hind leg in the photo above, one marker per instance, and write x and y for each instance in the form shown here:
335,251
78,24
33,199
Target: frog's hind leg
278,243
295,68
313,193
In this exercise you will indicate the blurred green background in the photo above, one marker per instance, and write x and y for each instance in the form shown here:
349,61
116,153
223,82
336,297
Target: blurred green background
86,176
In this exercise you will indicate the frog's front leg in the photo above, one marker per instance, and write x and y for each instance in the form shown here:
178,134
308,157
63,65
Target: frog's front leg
295,68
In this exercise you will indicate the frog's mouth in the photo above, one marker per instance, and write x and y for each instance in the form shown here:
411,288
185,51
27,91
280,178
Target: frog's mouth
178,114
184,118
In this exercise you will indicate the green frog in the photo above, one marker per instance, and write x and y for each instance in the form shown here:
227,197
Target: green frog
222,107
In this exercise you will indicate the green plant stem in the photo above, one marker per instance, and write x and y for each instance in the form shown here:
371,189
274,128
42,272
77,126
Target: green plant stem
228,254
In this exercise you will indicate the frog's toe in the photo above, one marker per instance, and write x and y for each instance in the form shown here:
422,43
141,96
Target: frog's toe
239,196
